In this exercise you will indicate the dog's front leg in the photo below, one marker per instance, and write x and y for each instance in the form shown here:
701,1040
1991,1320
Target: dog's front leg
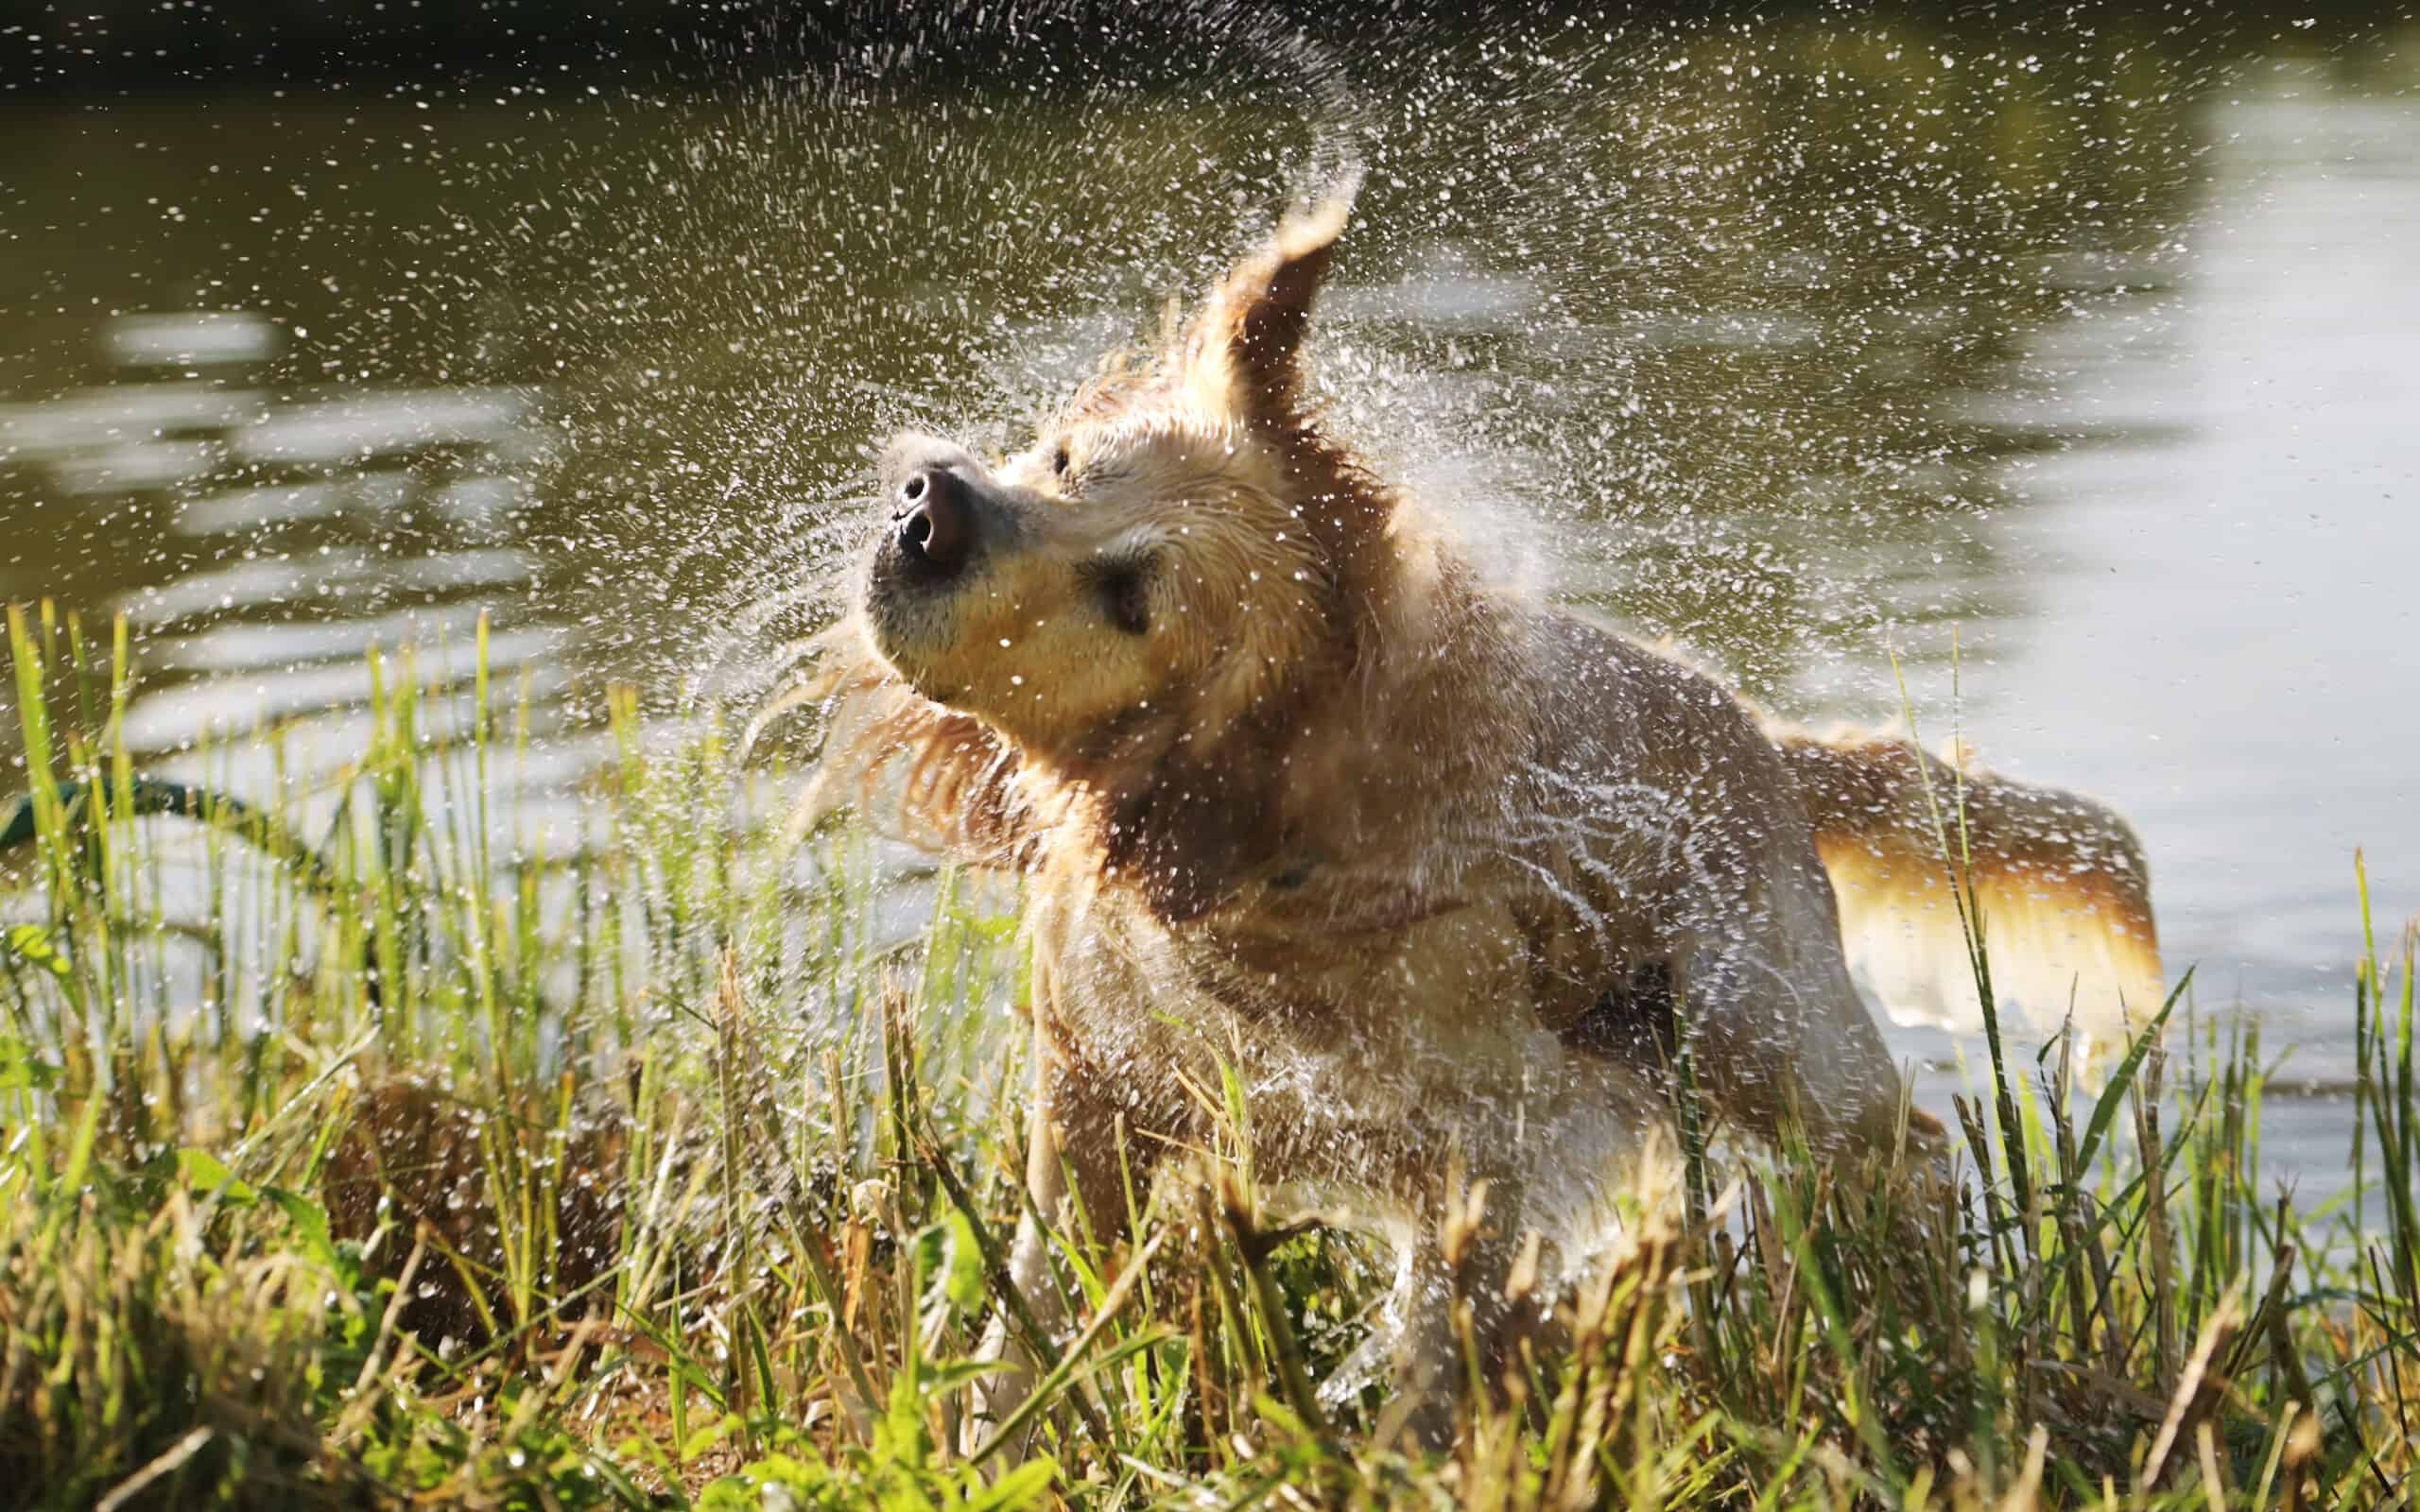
1069,1132
1002,1392
1455,1305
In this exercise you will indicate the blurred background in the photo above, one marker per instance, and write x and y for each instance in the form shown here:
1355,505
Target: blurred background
2073,362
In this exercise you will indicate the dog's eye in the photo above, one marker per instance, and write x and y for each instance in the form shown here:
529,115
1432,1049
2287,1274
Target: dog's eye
1058,463
1124,585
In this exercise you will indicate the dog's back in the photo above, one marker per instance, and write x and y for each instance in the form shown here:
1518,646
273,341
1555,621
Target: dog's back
2059,884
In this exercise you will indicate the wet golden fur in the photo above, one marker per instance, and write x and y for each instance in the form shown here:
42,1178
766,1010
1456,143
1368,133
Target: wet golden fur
1441,873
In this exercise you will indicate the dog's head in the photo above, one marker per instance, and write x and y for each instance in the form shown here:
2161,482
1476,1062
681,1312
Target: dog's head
1135,600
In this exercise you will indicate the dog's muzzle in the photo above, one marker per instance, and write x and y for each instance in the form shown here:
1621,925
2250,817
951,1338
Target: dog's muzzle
935,532
939,516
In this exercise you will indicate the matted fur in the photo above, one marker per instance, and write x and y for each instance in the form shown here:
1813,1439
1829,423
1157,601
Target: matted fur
1441,875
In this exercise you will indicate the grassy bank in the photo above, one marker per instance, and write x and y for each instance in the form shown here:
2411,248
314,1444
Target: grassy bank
378,1142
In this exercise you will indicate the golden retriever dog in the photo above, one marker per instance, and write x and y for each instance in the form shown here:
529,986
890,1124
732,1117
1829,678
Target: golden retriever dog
1442,875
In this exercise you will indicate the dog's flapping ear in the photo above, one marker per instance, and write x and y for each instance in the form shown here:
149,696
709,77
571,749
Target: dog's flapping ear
1246,346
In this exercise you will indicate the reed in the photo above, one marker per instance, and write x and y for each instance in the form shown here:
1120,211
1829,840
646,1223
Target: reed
370,1142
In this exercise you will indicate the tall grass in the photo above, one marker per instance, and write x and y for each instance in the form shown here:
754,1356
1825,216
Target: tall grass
370,1142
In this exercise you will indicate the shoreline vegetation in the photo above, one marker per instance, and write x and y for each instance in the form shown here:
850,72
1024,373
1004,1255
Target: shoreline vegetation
372,1144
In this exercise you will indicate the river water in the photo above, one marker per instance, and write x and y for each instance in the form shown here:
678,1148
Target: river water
2085,348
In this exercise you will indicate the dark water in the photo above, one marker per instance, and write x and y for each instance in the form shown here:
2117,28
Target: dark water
1799,342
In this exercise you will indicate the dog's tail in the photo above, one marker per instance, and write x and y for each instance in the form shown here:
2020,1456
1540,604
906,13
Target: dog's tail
2058,880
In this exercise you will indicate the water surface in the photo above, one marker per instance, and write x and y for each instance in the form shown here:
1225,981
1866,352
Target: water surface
1801,342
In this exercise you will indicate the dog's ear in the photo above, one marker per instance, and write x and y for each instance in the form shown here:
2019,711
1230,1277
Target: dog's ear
1246,346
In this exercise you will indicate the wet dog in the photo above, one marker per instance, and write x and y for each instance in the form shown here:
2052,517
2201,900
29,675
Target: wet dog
1442,876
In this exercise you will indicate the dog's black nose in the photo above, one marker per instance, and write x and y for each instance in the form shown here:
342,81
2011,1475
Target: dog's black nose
932,514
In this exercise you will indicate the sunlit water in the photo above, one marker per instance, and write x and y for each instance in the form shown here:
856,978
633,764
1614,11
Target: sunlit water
2225,641
1800,342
